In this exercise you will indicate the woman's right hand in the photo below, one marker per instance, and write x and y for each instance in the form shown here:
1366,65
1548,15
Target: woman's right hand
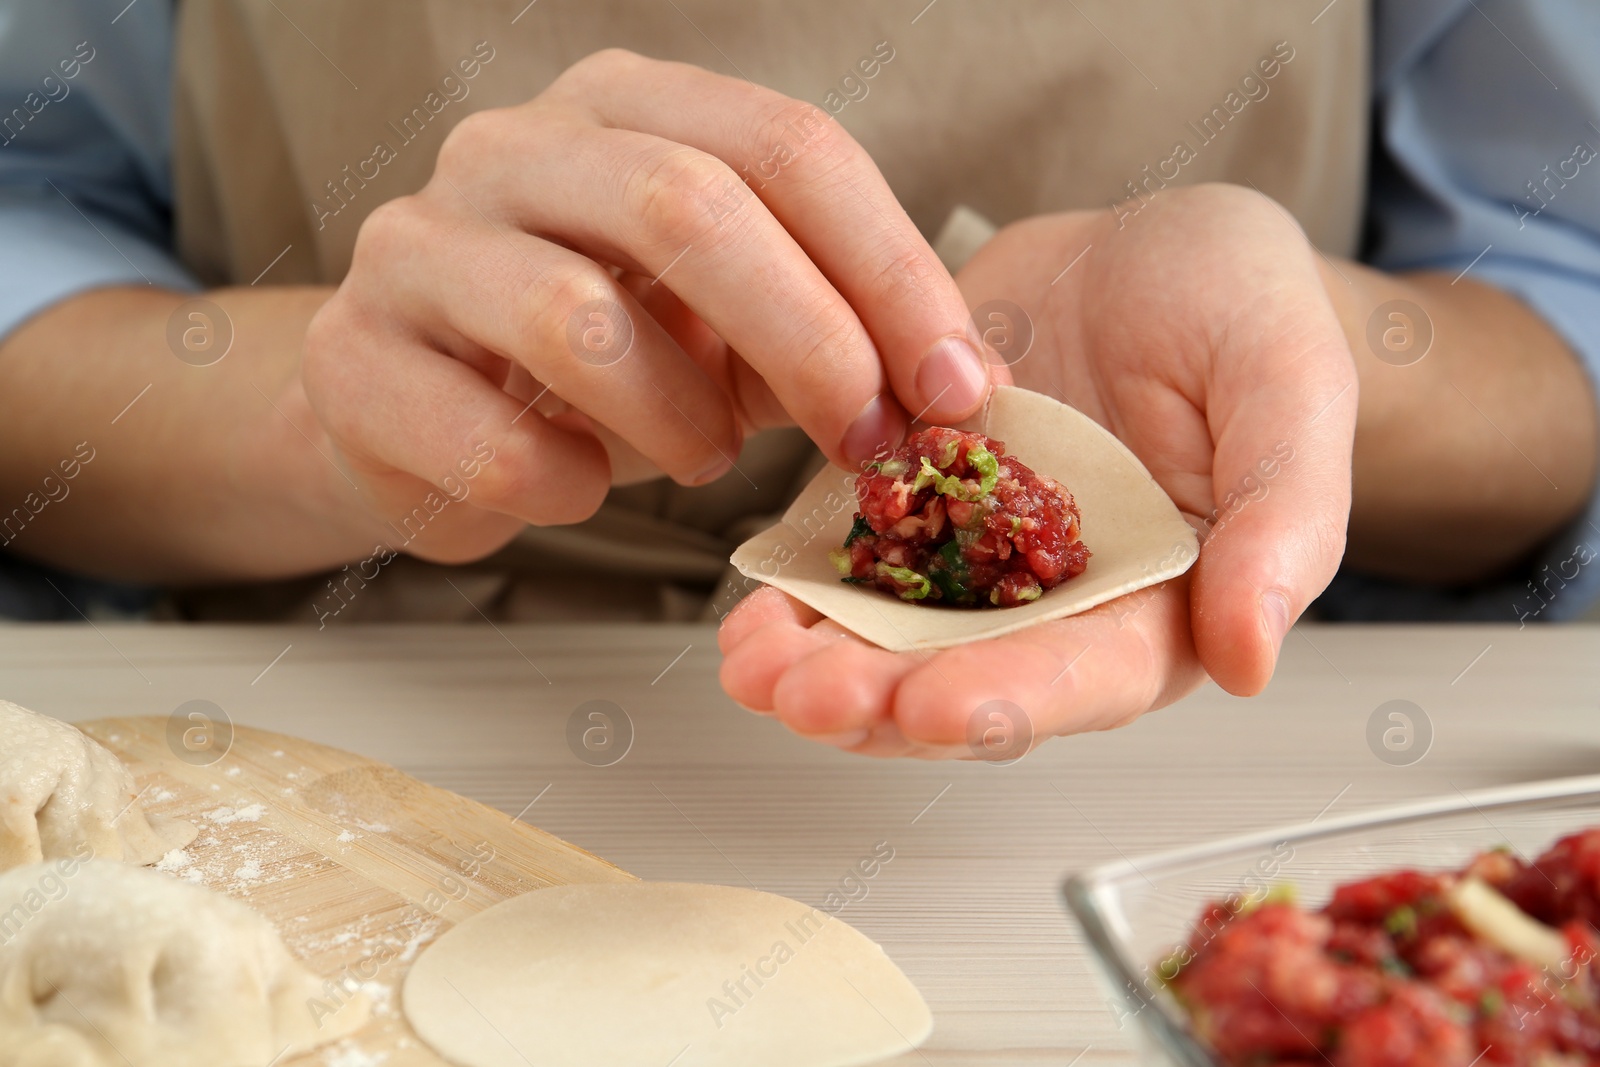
665,259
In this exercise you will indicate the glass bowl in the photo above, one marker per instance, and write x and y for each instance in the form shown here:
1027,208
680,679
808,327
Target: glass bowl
1134,913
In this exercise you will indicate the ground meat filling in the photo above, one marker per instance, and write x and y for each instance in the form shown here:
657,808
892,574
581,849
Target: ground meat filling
1407,970
949,518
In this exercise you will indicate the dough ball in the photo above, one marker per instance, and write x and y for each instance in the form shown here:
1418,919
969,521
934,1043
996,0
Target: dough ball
109,965
62,794
653,973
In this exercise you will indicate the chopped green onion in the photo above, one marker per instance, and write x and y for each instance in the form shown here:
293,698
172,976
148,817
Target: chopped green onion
860,527
947,484
1395,965
1171,965
949,572
929,475
986,464
972,533
840,560
1280,893
1402,922
919,584
1491,1002
982,460
1033,592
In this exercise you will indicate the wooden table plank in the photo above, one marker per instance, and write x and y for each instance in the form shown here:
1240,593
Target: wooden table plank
969,905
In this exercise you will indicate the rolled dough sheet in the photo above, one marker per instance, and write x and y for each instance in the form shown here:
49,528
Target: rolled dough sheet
655,973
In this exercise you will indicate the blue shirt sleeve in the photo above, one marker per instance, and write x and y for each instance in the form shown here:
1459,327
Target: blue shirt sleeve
85,137
85,202
1487,163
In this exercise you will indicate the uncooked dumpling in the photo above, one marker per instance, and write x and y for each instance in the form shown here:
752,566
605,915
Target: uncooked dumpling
110,965
648,974
64,795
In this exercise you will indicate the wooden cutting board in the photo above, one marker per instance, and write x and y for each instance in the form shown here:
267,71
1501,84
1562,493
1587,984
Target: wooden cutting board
358,865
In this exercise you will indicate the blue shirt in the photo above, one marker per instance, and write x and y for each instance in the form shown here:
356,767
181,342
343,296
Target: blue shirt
1486,160
85,159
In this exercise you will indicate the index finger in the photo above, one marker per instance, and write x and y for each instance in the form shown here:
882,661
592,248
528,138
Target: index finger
829,195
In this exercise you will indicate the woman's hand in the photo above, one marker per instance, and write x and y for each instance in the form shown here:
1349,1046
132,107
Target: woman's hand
1200,333
624,276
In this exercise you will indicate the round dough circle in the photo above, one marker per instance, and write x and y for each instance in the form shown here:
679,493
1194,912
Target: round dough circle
650,973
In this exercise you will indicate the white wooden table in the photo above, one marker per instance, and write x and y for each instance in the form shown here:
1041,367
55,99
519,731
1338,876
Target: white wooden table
969,906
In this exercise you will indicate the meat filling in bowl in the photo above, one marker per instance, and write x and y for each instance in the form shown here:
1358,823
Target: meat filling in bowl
1494,964
949,518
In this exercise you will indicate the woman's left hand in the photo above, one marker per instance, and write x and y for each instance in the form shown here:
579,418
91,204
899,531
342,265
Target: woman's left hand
1199,332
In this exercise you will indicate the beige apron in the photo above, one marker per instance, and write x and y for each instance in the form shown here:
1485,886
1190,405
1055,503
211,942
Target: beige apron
296,118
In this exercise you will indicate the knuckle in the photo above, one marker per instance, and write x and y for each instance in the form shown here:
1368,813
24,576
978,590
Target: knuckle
1225,195
578,285
819,345
508,481
793,132
595,71
333,337
522,477
474,137
1226,201
909,271
542,329
604,63
676,196
389,233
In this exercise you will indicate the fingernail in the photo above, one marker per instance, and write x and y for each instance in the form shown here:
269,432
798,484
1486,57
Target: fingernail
849,739
951,376
1275,609
879,427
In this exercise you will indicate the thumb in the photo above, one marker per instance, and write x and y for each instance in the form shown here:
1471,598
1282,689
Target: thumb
1280,481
